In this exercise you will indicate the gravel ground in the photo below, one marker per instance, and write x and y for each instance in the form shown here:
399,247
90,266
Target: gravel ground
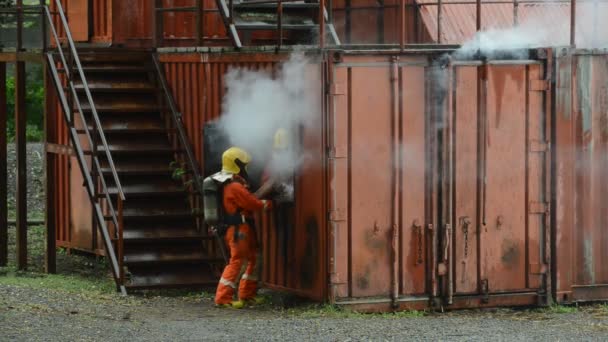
44,314
35,180
80,305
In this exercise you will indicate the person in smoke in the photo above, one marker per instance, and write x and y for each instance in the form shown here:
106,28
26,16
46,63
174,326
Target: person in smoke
239,204
278,180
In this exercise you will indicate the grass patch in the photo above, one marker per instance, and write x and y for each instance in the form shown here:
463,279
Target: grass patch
57,282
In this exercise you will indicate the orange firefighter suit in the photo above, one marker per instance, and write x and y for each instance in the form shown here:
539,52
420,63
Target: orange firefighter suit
243,248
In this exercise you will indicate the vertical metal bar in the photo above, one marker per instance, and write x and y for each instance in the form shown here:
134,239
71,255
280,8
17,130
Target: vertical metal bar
572,22
231,11
439,19
402,24
515,12
50,260
347,21
321,23
19,25
396,180
120,241
158,23
280,24
21,190
43,24
199,20
3,169
380,22
478,15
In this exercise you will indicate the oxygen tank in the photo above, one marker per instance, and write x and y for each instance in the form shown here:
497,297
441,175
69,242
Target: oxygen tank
211,201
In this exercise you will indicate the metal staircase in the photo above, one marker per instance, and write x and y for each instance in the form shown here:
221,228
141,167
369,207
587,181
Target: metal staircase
293,21
140,172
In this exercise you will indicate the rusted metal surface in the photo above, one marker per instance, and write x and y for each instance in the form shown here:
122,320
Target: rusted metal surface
367,22
492,240
197,83
78,12
581,165
3,170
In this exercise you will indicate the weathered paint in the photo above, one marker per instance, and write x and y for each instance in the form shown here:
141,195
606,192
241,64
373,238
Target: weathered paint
581,168
453,125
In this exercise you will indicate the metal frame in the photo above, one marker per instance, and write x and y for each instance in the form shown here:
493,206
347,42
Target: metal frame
94,181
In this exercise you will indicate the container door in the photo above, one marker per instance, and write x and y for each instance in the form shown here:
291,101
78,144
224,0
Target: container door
498,178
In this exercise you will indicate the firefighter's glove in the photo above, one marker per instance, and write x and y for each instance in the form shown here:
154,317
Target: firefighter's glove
267,204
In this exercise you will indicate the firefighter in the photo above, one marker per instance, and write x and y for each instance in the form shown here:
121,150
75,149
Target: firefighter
241,238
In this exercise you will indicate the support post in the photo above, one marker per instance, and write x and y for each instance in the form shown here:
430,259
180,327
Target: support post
19,25
43,27
572,22
3,170
50,260
199,20
321,24
478,15
20,148
158,23
402,24
439,19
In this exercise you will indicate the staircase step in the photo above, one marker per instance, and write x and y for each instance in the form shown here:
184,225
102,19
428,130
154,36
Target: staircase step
171,276
147,190
138,167
185,252
262,26
155,231
287,6
105,55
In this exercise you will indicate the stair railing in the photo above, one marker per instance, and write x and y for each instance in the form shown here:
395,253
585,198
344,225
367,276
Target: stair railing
226,11
94,133
180,130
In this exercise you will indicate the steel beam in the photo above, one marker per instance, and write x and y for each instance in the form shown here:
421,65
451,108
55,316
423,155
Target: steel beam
50,260
3,170
20,148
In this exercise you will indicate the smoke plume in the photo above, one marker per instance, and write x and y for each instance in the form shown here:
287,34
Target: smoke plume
549,26
256,104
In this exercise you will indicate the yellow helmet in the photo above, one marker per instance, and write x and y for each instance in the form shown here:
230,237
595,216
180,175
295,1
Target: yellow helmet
233,159
281,140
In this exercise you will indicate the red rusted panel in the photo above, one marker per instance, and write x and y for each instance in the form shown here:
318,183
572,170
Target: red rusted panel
102,21
78,14
367,22
466,179
197,84
361,167
581,168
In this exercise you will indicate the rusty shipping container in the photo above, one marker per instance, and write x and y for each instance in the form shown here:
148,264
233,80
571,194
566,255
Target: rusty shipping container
581,176
436,181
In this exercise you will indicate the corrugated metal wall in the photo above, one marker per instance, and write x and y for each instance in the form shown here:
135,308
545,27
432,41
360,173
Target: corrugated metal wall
450,125
581,172
197,83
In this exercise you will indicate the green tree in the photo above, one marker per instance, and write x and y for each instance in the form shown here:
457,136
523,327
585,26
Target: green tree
34,104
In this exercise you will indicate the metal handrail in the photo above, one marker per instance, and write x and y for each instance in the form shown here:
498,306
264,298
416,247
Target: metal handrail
117,218
323,15
176,116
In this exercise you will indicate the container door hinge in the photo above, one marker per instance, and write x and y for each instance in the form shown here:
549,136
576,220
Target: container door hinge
539,208
336,89
336,152
539,146
540,85
485,291
336,215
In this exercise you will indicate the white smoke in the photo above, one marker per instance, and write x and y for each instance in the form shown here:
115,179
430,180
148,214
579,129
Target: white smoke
256,104
542,28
